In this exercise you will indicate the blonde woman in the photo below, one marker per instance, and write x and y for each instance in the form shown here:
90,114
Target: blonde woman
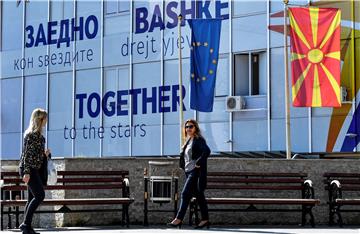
32,159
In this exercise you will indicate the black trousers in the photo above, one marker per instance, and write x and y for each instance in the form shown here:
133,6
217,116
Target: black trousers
192,188
36,195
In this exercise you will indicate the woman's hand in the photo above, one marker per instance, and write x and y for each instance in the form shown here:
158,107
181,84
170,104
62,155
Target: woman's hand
26,178
47,152
196,166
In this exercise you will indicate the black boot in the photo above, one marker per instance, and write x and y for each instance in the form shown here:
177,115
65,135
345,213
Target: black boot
205,224
26,229
33,231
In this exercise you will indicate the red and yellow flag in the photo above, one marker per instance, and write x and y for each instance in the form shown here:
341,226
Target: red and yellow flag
315,56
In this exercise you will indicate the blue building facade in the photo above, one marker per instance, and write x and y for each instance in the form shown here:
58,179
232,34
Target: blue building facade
107,72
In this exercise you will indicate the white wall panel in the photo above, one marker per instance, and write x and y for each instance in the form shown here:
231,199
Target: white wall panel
249,33
35,96
60,100
250,135
11,105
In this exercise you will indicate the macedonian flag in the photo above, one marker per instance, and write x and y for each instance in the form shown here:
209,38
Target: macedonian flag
315,56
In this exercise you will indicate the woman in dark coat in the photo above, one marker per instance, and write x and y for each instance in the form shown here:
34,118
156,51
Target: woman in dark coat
193,160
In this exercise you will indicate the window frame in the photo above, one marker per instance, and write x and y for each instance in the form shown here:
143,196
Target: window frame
250,55
118,12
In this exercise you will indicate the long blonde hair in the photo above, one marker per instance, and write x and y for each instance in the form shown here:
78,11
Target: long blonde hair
36,121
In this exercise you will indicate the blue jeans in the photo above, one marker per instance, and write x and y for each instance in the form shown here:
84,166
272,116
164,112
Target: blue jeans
36,195
191,188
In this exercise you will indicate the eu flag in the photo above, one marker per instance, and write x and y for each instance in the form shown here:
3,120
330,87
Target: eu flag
205,38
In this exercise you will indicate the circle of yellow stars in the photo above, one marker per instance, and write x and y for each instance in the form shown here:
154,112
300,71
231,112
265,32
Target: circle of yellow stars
210,72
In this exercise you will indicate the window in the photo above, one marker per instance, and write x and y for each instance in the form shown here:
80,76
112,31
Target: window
60,113
250,74
10,128
123,6
0,26
11,26
116,6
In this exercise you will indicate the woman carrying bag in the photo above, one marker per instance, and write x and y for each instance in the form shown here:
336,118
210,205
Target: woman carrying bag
193,160
33,166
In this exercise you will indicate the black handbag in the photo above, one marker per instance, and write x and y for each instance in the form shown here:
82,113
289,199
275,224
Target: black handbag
21,171
43,171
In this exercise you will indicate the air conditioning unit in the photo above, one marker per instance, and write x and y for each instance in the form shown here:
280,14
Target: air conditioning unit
235,103
343,94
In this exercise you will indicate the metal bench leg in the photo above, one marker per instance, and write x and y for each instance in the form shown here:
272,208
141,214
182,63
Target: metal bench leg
176,198
191,212
9,218
197,221
127,216
307,210
303,216
340,220
123,215
2,217
331,215
312,219
17,224
146,223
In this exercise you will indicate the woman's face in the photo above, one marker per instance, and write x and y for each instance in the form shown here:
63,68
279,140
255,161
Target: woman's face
190,129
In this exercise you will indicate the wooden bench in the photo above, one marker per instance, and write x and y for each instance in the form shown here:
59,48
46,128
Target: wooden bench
273,185
12,193
336,184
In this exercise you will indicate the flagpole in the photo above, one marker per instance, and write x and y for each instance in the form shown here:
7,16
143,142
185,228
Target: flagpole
181,117
287,103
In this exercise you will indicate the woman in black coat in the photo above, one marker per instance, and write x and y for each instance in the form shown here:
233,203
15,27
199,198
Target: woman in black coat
193,160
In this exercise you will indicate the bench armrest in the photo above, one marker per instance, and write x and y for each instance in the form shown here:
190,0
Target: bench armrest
335,190
308,190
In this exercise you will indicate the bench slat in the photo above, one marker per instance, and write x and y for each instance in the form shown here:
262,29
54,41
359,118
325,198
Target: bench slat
74,173
9,173
353,175
64,187
254,180
264,201
87,201
346,181
346,188
70,180
86,173
250,187
348,201
266,174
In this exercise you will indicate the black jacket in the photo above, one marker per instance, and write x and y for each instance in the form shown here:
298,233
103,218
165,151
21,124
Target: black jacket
200,153
33,156
33,153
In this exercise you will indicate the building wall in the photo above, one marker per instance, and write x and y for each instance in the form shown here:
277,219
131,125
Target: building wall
114,58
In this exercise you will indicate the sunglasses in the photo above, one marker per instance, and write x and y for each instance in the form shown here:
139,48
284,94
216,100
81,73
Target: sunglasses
189,126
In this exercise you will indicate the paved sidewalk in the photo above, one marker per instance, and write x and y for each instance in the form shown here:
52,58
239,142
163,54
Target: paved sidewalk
188,230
